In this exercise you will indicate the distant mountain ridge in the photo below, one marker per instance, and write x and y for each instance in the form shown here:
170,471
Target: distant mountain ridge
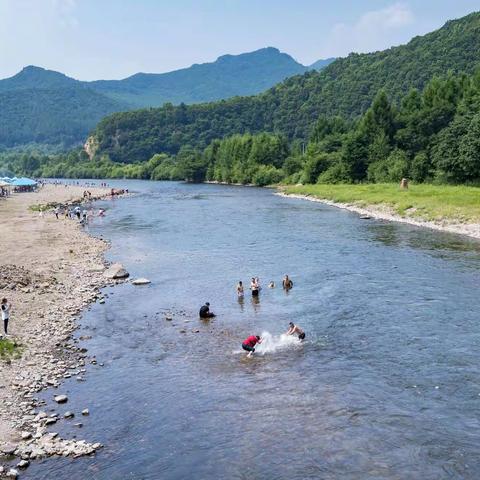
228,76
70,108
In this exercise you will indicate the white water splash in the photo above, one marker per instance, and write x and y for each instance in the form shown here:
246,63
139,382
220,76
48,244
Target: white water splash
273,343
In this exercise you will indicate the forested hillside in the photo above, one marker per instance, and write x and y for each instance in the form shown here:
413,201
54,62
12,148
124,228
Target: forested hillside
431,136
346,87
48,108
58,117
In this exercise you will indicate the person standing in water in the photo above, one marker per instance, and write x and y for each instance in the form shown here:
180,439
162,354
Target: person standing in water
287,283
5,307
292,329
249,344
240,291
254,287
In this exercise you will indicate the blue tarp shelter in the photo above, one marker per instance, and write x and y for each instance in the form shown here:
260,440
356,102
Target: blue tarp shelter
23,184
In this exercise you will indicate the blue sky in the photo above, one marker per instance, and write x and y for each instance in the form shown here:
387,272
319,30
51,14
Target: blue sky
93,39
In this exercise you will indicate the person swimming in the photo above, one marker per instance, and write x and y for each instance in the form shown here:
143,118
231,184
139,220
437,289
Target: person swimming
249,344
205,311
240,291
271,284
292,329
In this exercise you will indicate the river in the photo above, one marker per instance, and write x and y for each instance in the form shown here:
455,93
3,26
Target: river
385,386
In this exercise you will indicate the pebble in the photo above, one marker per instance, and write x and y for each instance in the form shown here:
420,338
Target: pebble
12,473
68,415
23,464
85,411
141,281
26,435
61,399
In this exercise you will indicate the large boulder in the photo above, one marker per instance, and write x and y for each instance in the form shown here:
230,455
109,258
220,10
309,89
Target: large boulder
115,271
8,448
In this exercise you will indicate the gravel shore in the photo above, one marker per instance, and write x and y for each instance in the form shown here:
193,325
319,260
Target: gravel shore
50,269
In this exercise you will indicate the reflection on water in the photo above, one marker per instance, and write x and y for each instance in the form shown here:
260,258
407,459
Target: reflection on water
385,386
440,244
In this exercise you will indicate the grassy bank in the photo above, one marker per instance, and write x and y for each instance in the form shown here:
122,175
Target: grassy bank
8,348
426,202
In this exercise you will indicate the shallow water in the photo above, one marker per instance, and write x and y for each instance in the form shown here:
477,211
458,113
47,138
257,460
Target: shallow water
386,385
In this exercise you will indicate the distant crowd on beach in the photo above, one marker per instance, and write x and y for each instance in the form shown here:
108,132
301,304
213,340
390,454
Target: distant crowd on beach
81,214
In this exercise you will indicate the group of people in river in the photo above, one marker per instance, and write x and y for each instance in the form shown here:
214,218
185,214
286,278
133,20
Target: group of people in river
250,342
255,286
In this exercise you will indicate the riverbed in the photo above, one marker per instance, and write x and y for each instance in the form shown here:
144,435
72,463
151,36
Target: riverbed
385,386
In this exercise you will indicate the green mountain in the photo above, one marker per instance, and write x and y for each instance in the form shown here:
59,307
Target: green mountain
345,87
46,107
59,117
38,78
320,64
228,76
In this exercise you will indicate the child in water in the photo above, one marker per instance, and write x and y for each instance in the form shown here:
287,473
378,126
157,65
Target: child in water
240,291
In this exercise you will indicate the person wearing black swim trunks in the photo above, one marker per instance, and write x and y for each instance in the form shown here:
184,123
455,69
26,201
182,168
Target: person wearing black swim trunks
254,287
292,329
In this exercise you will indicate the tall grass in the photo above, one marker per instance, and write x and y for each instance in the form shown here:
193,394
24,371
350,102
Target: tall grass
424,201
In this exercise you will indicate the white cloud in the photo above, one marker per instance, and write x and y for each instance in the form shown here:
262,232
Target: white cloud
374,30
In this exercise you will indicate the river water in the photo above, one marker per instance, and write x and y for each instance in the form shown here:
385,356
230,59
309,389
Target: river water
385,386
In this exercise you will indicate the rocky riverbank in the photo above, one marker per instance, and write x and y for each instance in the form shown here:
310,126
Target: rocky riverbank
50,269
383,212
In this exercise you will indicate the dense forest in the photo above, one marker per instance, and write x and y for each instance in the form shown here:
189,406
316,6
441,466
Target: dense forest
55,117
346,88
432,135
49,109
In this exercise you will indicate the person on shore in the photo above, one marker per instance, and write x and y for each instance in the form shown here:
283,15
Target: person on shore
84,215
292,329
78,212
56,211
5,307
287,283
205,311
249,344
254,287
240,291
